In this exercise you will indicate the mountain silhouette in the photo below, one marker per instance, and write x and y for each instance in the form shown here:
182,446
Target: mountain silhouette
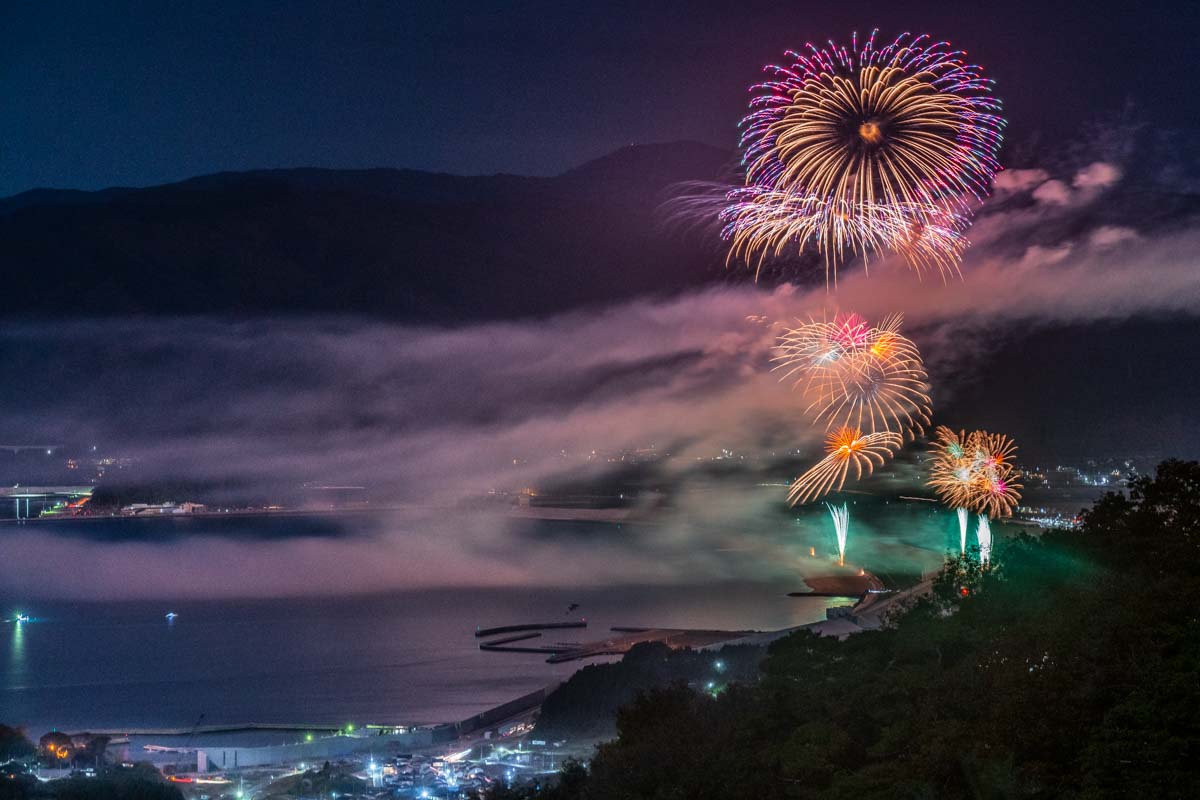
396,243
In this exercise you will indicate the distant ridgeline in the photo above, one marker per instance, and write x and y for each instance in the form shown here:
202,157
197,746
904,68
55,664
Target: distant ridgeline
398,243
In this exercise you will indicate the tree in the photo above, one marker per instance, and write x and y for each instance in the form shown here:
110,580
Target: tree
1067,668
14,746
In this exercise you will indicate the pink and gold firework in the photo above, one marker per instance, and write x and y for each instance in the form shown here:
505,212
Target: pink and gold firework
994,490
854,374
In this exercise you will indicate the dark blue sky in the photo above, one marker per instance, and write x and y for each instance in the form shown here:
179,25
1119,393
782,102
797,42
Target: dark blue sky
95,94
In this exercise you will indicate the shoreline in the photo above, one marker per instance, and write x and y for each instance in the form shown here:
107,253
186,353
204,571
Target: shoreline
865,615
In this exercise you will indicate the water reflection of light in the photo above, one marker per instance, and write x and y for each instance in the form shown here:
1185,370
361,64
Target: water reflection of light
16,654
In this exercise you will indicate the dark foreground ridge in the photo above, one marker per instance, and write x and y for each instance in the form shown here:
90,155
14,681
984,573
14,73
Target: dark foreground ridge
1067,669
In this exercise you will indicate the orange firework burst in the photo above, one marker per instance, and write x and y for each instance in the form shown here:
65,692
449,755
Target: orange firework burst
975,471
853,374
845,448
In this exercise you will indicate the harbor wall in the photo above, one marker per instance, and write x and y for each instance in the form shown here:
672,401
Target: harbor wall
217,758
226,758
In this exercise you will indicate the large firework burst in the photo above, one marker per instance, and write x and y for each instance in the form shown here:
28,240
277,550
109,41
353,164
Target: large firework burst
863,148
854,374
845,448
975,471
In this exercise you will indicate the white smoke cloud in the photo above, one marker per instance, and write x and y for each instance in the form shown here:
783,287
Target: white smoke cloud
1111,235
1053,192
1019,180
1098,175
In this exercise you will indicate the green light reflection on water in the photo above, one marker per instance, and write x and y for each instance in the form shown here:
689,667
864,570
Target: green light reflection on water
16,655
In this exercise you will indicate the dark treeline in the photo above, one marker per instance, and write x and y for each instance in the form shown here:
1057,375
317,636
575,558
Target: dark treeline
138,782
585,706
1068,669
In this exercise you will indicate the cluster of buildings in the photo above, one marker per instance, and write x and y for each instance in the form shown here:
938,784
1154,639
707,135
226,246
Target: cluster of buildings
464,774
372,765
506,756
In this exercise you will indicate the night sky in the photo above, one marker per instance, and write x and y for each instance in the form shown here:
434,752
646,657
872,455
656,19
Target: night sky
118,93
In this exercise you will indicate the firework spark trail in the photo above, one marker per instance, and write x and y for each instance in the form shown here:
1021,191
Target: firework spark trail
984,534
962,530
846,447
852,374
694,208
761,224
858,149
841,526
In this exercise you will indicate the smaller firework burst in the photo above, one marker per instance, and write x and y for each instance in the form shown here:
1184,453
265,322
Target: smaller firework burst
846,448
853,374
950,469
975,471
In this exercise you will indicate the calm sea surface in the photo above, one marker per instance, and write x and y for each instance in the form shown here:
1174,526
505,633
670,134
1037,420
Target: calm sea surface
402,658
